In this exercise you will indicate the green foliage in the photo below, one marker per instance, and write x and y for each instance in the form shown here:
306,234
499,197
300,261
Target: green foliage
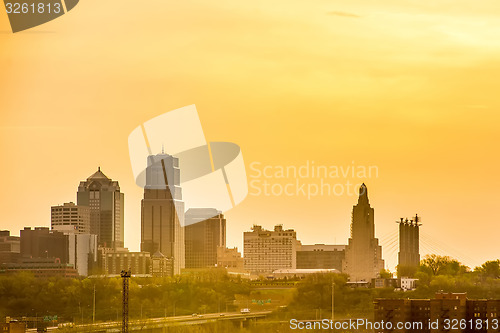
385,274
72,299
214,290
490,269
406,271
442,265
436,273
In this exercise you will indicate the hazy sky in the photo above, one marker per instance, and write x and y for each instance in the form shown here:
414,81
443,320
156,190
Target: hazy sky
407,86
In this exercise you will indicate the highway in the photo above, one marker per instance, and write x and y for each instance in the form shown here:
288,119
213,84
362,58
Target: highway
138,324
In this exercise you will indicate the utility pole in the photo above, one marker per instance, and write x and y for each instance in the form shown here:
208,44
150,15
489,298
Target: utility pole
333,299
93,309
125,276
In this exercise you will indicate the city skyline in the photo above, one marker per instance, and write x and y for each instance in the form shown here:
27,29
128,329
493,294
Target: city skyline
306,84
249,166
177,190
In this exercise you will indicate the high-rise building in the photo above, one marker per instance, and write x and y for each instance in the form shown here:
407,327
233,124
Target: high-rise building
266,251
320,256
106,204
69,216
162,210
82,247
409,253
44,243
363,255
204,232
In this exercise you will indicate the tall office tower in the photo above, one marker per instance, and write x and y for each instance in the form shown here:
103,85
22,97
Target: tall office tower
106,204
266,251
204,232
409,253
70,217
162,210
363,255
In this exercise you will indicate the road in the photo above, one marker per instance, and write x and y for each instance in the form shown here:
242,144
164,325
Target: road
138,324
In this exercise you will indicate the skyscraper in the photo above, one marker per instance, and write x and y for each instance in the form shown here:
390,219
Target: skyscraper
106,203
162,210
363,255
409,252
205,231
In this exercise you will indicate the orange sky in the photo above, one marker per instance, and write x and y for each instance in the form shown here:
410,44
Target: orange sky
406,86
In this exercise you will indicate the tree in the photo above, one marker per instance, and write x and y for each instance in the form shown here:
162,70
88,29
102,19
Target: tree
442,265
490,269
385,274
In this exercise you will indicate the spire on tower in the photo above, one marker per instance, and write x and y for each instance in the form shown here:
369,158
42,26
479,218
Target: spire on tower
363,194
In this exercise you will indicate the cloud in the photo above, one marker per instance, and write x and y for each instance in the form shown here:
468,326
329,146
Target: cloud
343,14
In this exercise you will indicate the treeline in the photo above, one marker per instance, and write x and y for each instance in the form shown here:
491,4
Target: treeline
215,291
436,273
72,299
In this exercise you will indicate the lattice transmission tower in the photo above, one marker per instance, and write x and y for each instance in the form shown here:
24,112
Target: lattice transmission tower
125,276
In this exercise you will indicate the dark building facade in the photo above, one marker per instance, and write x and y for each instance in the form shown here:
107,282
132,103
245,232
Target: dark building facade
43,252
320,256
13,327
433,315
162,210
106,204
409,251
363,255
205,231
44,243
10,247
161,266
41,268
137,262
